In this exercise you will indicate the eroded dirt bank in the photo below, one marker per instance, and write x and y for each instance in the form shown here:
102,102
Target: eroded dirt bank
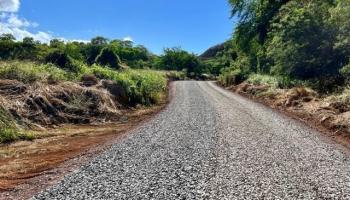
95,117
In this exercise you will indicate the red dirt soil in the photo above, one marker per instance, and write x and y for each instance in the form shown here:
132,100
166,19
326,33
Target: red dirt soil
27,168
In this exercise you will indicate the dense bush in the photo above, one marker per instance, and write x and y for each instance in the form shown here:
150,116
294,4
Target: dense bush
58,58
232,77
62,60
301,42
178,59
296,42
108,58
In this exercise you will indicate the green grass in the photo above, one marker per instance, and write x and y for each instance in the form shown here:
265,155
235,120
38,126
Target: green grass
29,72
9,132
142,86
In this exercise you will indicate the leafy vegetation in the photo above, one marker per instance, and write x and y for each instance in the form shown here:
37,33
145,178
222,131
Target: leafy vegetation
176,59
141,86
107,57
8,129
29,72
289,43
115,54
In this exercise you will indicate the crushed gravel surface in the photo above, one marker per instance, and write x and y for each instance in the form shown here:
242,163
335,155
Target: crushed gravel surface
212,144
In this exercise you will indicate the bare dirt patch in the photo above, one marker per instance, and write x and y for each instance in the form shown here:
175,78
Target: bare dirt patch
28,167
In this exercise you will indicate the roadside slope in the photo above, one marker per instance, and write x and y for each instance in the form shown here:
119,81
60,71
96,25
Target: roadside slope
210,143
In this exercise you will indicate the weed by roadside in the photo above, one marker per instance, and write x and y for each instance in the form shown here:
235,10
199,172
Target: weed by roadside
9,132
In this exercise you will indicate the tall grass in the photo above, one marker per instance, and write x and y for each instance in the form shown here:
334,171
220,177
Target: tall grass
8,129
141,86
29,72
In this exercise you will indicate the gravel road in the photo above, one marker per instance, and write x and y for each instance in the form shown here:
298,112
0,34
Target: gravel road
212,144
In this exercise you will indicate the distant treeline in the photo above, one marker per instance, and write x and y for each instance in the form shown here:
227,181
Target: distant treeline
102,51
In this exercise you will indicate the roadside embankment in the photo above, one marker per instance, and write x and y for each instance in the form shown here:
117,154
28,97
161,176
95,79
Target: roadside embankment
328,113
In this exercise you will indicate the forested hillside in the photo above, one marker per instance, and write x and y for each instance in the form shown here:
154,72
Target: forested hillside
298,42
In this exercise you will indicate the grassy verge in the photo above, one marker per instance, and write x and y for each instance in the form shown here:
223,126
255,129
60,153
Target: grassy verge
140,87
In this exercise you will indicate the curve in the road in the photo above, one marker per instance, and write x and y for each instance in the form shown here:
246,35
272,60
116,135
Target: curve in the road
213,144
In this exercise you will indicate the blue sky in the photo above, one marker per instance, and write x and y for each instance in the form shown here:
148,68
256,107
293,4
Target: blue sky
193,25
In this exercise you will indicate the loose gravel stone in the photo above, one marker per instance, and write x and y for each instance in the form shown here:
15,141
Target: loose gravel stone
213,144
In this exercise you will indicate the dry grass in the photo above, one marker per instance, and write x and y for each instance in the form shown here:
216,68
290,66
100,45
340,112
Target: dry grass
21,161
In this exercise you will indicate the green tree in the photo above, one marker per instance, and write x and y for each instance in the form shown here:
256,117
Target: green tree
99,40
59,58
74,50
57,44
178,59
7,37
27,49
8,46
301,41
340,16
107,57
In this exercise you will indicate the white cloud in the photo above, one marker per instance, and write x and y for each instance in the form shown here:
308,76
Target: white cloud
9,5
22,33
73,40
14,21
18,27
128,38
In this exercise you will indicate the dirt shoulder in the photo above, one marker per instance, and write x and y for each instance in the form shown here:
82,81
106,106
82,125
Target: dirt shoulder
28,167
324,113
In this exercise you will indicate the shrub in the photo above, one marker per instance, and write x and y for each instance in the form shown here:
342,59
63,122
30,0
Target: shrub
176,75
8,130
107,57
259,79
301,42
58,58
63,61
345,71
233,77
282,82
